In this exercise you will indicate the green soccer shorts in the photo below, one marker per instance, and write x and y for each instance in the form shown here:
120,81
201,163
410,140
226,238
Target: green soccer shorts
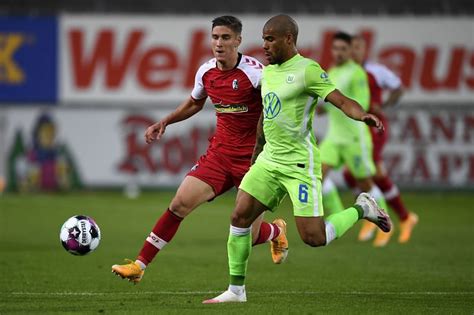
270,182
357,156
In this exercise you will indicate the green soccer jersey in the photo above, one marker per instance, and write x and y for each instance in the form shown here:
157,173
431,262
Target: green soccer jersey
290,92
351,79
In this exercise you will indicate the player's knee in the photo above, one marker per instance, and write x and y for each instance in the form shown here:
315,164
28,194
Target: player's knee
365,184
315,240
180,207
239,220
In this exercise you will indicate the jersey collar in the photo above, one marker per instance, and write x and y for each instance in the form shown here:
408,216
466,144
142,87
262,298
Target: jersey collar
290,61
239,59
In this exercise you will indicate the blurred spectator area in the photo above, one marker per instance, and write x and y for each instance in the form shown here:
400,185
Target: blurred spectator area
369,7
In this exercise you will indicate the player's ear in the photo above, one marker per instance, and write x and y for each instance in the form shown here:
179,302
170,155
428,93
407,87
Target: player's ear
239,40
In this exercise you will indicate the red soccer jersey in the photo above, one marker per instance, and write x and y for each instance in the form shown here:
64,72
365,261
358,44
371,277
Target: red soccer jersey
237,101
380,78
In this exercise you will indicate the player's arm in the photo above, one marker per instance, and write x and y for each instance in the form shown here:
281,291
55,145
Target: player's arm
260,140
390,81
394,97
352,109
187,109
317,83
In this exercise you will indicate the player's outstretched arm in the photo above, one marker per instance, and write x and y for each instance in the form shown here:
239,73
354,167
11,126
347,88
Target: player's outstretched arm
260,139
353,109
393,97
185,110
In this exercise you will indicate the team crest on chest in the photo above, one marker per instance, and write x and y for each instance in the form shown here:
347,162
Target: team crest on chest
235,84
290,78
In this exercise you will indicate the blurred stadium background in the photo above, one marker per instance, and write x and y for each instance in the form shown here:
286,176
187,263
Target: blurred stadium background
81,80
100,71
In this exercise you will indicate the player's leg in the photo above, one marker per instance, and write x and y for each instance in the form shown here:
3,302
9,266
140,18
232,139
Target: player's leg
239,246
305,192
205,181
381,178
367,231
191,193
317,231
262,232
275,233
408,220
247,209
330,158
359,161
257,229
358,158
350,181
260,190
390,191
314,229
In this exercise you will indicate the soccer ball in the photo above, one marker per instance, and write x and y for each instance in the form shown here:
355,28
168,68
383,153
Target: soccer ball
80,235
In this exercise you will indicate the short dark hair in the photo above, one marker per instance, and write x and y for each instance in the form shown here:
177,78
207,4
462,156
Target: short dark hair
342,36
230,21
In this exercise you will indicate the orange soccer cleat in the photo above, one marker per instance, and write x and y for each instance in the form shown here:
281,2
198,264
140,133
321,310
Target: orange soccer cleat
382,238
406,228
279,246
367,231
131,271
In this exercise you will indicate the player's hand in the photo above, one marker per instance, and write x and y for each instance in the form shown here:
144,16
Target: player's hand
155,131
373,121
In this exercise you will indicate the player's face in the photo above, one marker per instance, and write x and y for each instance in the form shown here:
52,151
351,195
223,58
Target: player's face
274,46
358,50
341,51
224,43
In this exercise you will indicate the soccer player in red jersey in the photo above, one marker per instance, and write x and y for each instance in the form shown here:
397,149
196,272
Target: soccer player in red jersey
381,78
232,82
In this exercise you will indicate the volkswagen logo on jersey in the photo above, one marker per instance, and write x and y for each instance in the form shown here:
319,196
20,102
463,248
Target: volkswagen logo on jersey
272,105
325,77
235,84
290,78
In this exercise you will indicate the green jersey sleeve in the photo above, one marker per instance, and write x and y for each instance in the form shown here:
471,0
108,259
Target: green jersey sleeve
360,89
317,83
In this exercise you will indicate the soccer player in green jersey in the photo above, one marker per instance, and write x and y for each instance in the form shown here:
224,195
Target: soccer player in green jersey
348,142
289,163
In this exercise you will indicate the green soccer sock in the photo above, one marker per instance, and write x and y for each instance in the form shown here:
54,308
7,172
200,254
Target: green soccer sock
239,246
339,223
331,199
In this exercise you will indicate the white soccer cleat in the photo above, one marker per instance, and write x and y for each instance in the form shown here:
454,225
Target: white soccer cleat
373,213
227,297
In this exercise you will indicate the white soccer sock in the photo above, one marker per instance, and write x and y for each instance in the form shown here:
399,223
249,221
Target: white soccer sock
328,186
141,264
376,192
330,232
392,193
272,232
237,289
237,231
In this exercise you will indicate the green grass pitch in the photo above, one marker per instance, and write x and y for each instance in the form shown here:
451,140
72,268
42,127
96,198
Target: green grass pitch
432,274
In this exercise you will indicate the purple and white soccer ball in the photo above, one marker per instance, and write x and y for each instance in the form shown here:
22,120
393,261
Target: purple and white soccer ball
80,235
